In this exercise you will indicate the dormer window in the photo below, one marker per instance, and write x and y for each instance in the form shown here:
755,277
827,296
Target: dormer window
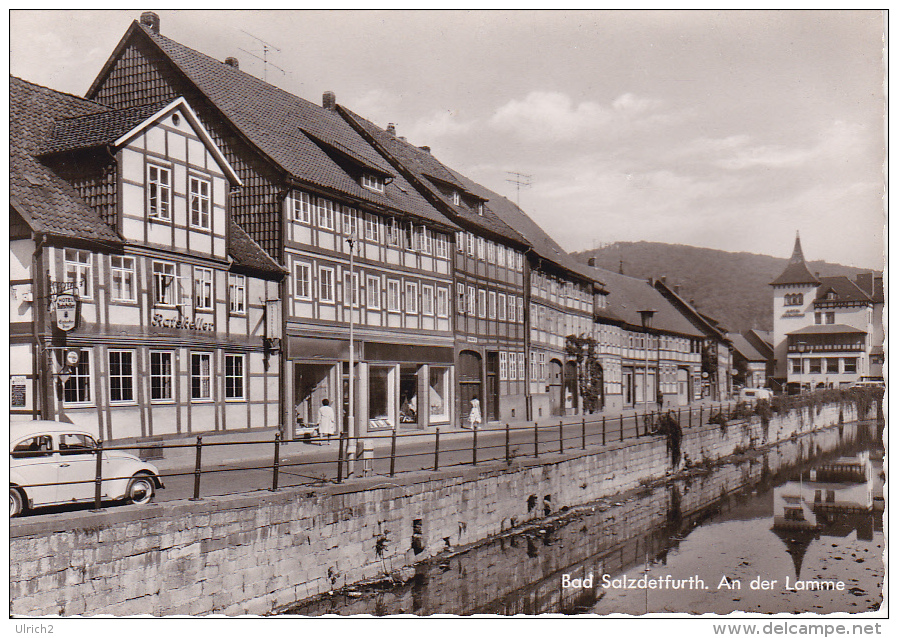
373,182
456,198
480,209
831,295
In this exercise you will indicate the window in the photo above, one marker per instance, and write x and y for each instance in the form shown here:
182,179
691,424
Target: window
351,289
371,226
77,388
161,376
200,203
393,295
411,298
511,308
814,366
520,309
439,394
519,261
302,207
236,293
373,182
832,365
79,270
818,317
427,300
326,284
460,298
159,193
456,198
425,241
481,303
471,243
123,278
460,241
491,252
165,284
500,255
202,288
443,302
830,318
850,365
373,290
492,306
325,214
480,207
501,308
542,365
302,280
200,375
533,369
350,223
442,245
394,233
471,302
503,366
121,376
234,376
481,248
795,299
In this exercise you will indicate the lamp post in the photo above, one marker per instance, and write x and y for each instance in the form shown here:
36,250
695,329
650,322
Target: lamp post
350,420
646,316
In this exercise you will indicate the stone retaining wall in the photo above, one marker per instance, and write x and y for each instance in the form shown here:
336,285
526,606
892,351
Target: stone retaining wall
252,554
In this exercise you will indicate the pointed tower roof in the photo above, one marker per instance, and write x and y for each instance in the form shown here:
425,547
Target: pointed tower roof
796,271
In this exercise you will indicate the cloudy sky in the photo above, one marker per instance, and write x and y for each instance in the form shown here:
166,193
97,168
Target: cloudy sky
730,130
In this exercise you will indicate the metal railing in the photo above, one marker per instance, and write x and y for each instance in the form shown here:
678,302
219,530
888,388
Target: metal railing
316,462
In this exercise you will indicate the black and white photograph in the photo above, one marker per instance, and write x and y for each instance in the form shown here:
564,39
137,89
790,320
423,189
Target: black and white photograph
481,314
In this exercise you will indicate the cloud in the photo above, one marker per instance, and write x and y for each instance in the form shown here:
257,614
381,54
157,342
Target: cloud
440,124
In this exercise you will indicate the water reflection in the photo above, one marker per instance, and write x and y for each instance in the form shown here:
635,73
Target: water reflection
798,513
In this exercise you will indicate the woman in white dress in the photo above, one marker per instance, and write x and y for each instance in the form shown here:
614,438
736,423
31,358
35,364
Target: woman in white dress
474,417
327,421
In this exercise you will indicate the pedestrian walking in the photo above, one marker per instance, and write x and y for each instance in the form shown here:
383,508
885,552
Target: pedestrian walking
327,420
474,416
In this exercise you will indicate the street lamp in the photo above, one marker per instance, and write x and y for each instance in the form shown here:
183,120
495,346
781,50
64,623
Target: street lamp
350,428
646,316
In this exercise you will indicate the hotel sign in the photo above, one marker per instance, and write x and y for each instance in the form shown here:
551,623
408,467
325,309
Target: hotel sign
793,313
66,311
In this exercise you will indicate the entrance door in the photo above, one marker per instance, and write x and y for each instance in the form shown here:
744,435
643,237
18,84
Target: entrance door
556,404
492,387
627,382
408,397
469,383
682,386
570,387
311,385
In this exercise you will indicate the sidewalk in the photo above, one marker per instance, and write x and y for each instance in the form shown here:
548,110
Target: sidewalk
227,448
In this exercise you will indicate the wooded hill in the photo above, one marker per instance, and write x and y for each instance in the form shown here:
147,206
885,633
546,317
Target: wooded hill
730,287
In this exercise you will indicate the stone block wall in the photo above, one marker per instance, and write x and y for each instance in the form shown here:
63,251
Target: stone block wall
252,554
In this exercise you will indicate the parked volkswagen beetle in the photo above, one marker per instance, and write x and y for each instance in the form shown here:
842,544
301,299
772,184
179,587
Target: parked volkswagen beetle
53,463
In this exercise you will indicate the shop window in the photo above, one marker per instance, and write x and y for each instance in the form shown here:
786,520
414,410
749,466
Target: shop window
77,388
439,394
381,388
121,376
161,376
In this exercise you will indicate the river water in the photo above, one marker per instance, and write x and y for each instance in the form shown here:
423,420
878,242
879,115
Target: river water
797,528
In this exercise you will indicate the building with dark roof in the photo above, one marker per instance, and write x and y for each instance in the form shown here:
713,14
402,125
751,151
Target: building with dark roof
827,331
138,304
369,257
749,364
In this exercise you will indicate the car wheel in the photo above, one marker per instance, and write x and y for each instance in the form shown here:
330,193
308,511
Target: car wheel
16,502
141,489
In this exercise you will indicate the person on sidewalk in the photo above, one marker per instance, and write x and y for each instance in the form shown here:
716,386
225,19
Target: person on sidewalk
474,416
327,420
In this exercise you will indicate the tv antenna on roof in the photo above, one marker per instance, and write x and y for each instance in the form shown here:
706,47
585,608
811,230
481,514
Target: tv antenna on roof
265,48
520,180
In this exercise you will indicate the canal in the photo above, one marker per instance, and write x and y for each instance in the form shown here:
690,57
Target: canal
794,528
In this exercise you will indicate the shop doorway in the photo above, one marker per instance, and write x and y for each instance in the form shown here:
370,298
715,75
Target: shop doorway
556,405
408,397
312,384
491,396
570,387
470,383
682,386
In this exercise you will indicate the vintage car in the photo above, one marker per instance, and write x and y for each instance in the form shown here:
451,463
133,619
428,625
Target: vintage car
53,463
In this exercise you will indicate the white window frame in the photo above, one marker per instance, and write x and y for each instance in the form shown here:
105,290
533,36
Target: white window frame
394,233
460,297
126,380
520,309
427,300
372,292
203,288
425,240
394,293
83,379
411,297
481,303
79,265
350,223
302,280
442,245
125,269
492,304
372,223
511,309
302,207
236,294
350,291
472,250
491,252
460,240
500,256
231,356
372,182
456,198
159,193
170,377
442,302
200,203
202,377
326,212
481,248
471,301
500,306
159,279
503,365
327,293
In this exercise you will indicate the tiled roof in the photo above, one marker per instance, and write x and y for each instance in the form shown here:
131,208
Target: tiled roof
247,253
46,201
95,129
796,271
845,289
296,134
744,348
429,171
871,283
827,329
628,295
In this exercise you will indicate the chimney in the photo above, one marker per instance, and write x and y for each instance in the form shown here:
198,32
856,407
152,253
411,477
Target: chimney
591,262
234,62
329,100
676,289
817,275
664,279
426,149
391,129
150,20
